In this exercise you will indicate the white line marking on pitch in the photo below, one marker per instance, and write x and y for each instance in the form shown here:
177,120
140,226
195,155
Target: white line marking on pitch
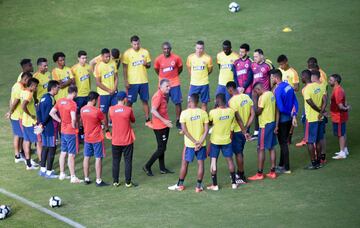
42,209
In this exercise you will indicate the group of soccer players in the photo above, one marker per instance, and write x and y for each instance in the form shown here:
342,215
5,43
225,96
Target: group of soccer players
46,108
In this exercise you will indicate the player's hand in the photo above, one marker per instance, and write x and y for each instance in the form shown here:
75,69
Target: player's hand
7,115
168,123
348,107
126,83
247,136
276,130
144,63
112,92
294,122
240,89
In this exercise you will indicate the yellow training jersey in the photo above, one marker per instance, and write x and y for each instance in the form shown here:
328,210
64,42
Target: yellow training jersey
106,72
82,79
19,77
117,61
43,83
16,94
194,119
26,120
199,68
226,64
222,119
62,75
323,78
242,104
315,92
290,76
136,71
267,102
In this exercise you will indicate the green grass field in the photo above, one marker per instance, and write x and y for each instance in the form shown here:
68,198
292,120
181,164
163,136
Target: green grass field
328,30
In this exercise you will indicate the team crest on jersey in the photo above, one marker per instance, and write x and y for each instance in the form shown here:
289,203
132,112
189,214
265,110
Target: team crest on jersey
247,65
262,69
172,63
195,118
317,90
45,85
119,110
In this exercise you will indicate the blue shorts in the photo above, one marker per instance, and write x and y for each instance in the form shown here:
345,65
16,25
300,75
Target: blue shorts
175,95
313,132
222,89
105,101
238,142
322,129
339,129
29,135
135,89
80,102
267,137
225,149
69,143
97,149
190,153
203,91
16,128
48,141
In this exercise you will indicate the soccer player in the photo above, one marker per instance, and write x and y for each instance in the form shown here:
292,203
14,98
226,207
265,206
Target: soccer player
28,121
43,76
106,76
123,139
242,104
136,60
313,64
315,104
66,107
222,119
289,74
339,110
15,114
225,60
242,70
265,108
62,74
169,65
195,124
200,66
49,133
161,126
26,66
92,118
261,69
115,56
288,107
81,72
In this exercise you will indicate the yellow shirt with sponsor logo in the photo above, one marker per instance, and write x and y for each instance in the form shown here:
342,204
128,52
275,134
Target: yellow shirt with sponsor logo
222,119
62,75
290,76
194,119
315,92
199,69
136,71
242,104
16,94
82,79
268,103
226,64
43,83
106,72
26,120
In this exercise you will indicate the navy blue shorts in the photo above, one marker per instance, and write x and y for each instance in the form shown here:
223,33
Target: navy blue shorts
190,153
69,143
30,136
48,141
238,142
225,149
16,128
267,137
80,102
203,91
222,89
105,101
175,95
339,129
94,149
135,89
322,129
312,132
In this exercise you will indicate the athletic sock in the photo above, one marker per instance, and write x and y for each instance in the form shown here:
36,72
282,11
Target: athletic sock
272,169
323,156
180,182
98,181
43,169
17,156
260,171
148,119
214,179
232,174
199,183
241,174
88,179
28,162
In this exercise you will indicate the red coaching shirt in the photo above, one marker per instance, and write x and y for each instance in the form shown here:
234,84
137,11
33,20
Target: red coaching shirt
169,68
64,106
91,118
121,117
338,97
159,102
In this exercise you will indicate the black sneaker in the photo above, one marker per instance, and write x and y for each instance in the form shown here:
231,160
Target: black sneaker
148,171
131,185
311,167
116,184
166,171
87,182
101,184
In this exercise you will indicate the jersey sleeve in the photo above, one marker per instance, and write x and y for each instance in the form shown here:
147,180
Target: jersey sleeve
211,115
132,116
307,94
73,107
261,101
218,60
205,117
97,71
155,102
182,117
295,78
101,115
210,63
188,61
54,75
125,58
157,63
71,74
339,96
147,57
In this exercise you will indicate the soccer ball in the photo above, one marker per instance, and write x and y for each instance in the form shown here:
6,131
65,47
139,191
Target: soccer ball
234,7
55,201
2,214
4,211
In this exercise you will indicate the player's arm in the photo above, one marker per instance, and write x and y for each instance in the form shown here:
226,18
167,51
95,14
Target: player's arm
206,130
311,103
240,122
186,132
277,120
251,118
92,63
157,114
12,107
101,85
26,110
147,61
73,119
54,115
125,74
233,70
46,108
249,80
210,69
116,81
180,69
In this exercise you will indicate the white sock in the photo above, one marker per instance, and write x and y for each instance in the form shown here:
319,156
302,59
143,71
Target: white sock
73,176
346,150
62,174
43,169
87,179
256,132
48,172
98,181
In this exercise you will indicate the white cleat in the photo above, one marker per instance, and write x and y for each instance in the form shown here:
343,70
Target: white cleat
341,155
234,186
213,187
75,180
32,167
33,163
18,160
176,187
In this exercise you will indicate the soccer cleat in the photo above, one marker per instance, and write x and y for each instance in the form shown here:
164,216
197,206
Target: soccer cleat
116,184
166,171
271,175
257,176
32,167
87,181
213,187
148,171
287,171
42,174
63,176
20,159
149,124
323,161
33,163
301,143
279,169
101,184
108,135
312,167
234,186
75,180
131,185
52,175
240,181
199,189
176,187
341,155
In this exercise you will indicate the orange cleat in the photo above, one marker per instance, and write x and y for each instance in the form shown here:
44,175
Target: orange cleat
197,190
257,176
271,175
301,143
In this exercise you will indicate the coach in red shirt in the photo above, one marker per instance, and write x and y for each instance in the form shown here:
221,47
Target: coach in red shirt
161,126
339,114
123,138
